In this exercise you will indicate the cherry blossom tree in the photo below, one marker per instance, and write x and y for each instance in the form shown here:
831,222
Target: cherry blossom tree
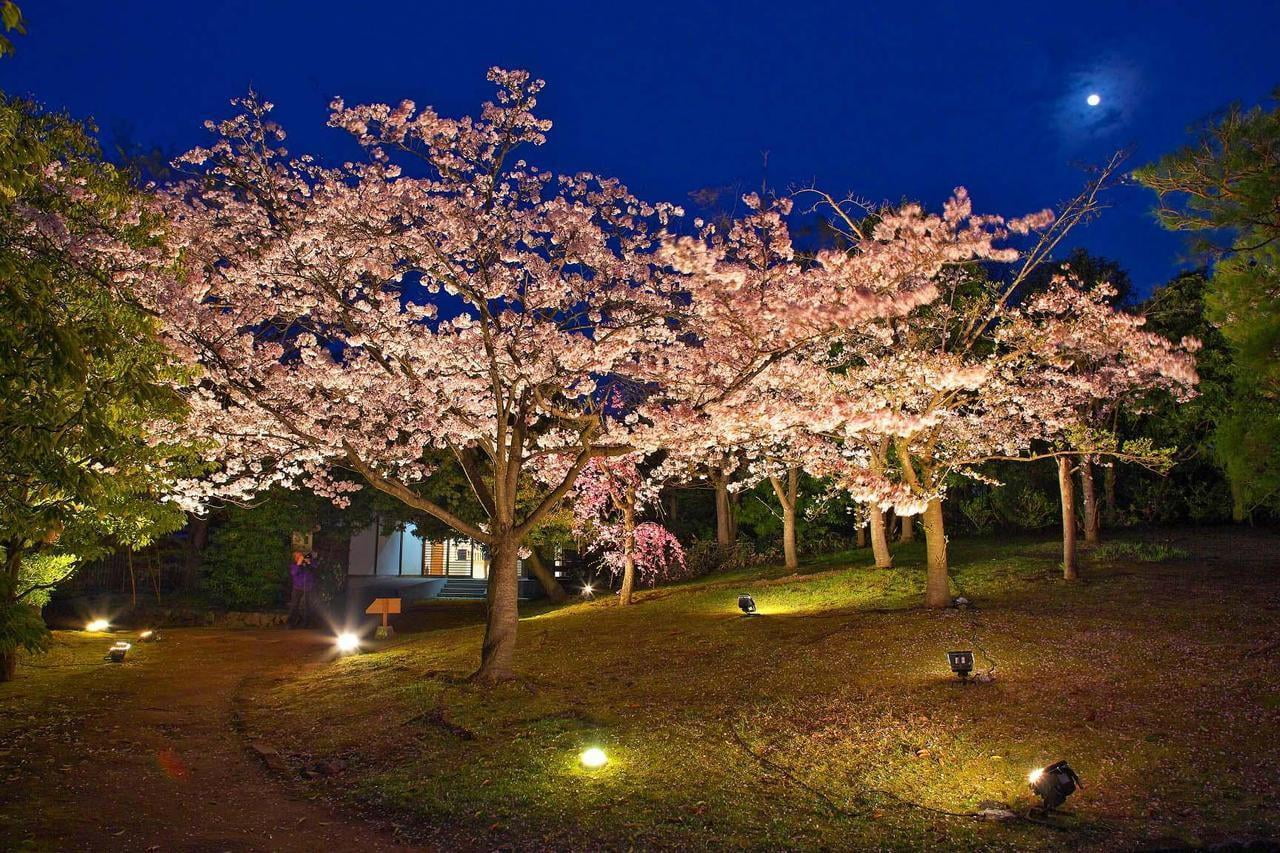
445,295
766,321
360,317
949,401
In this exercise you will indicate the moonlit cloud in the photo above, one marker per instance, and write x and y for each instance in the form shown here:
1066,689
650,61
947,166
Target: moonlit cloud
1097,101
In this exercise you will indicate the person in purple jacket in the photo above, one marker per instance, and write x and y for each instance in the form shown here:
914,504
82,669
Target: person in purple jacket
302,574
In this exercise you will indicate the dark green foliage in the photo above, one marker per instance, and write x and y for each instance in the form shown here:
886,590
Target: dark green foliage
83,379
1225,187
247,564
824,521
11,21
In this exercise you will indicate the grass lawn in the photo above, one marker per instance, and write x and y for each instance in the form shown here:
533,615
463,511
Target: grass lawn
831,720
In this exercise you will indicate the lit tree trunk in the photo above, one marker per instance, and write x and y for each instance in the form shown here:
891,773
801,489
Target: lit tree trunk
1067,489
908,528
133,580
787,496
552,587
937,587
628,547
1109,493
724,508
937,582
879,525
498,651
9,591
1092,527
880,539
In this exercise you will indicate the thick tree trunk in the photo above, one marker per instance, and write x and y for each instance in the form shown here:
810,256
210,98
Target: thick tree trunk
880,539
937,587
908,528
628,548
788,496
724,509
198,538
1109,494
498,652
133,579
9,591
1092,525
1238,512
552,587
1066,488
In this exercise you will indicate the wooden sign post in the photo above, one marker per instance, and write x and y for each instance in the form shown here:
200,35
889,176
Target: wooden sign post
385,606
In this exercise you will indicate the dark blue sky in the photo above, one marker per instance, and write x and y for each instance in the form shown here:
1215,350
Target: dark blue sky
885,100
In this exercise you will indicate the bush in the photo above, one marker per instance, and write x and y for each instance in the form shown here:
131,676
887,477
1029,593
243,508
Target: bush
979,512
1028,507
704,556
1145,552
247,564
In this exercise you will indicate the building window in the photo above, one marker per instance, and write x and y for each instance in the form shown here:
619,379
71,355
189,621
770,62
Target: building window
463,555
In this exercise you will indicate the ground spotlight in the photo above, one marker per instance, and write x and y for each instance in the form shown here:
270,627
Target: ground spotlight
1053,784
116,653
98,625
348,642
746,604
593,758
961,663
588,591
148,636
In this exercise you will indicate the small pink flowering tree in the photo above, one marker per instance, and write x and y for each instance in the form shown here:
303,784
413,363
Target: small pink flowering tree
606,500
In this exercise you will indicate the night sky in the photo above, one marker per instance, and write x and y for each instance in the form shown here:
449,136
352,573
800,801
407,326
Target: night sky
884,100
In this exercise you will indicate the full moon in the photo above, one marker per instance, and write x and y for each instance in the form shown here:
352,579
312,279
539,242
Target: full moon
1094,99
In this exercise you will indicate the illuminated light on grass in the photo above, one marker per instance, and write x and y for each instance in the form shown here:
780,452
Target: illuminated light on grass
588,591
593,758
1053,784
116,653
746,604
347,642
98,625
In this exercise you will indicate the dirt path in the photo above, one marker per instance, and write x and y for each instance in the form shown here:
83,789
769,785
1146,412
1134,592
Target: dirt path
145,755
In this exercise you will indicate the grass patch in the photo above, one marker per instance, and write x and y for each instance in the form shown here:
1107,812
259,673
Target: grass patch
829,721
1141,551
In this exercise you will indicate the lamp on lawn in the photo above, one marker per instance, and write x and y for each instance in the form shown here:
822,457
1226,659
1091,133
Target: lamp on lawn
116,653
97,625
961,663
1053,784
348,642
746,604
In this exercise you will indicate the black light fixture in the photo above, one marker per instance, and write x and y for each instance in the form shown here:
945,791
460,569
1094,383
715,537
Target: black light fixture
961,663
1053,784
746,604
116,653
